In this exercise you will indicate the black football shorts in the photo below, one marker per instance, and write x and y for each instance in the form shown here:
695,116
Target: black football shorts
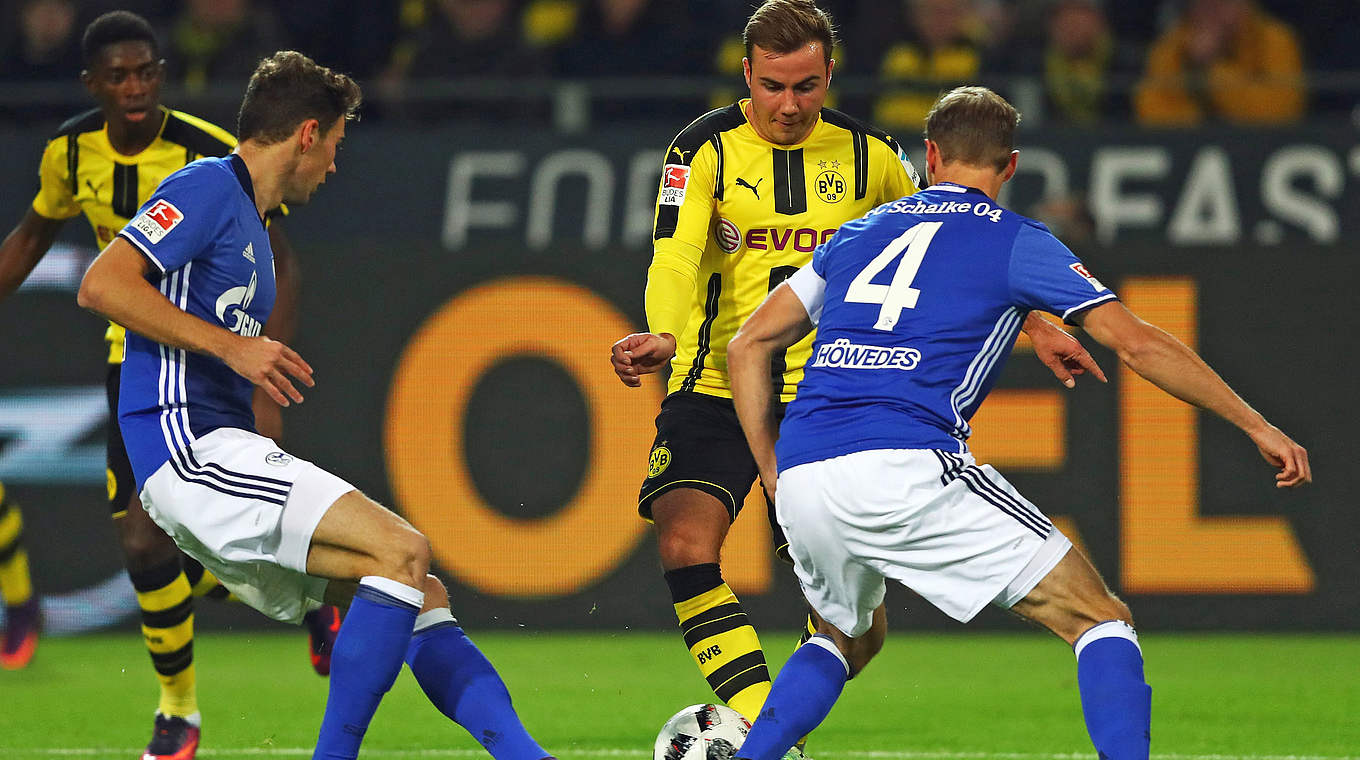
699,444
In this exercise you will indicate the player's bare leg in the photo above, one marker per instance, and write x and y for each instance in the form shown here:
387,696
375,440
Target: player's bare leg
690,528
1074,603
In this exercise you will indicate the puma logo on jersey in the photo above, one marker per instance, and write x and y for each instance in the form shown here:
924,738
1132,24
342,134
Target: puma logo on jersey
750,186
680,153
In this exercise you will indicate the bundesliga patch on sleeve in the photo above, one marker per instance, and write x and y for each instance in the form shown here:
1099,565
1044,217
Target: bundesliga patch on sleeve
157,221
1080,269
674,178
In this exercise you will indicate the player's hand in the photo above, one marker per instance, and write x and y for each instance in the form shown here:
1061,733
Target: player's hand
268,364
1060,352
641,354
1281,451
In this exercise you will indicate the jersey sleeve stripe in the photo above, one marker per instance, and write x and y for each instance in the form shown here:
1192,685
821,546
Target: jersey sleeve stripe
1088,304
705,333
73,160
145,251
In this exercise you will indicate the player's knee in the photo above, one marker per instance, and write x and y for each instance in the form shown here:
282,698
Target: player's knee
436,595
683,548
145,546
408,558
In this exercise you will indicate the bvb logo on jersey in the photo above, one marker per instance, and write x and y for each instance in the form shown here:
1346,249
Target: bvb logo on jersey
830,186
658,461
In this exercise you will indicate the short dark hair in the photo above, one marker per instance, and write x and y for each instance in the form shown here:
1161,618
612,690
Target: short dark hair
289,88
783,26
973,125
114,27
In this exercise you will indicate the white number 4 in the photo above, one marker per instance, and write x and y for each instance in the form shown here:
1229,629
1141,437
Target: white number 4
900,294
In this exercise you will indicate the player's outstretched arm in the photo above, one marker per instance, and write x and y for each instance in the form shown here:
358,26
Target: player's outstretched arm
780,322
23,248
1172,366
115,287
640,354
1060,352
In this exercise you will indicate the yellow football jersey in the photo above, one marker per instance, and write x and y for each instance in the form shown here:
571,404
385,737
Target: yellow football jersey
748,213
82,173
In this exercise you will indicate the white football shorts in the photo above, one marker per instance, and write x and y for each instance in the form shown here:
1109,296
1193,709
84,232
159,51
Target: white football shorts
246,510
953,532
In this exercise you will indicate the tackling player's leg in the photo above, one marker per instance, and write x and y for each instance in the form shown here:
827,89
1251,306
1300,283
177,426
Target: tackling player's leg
398,612
1074,603
23,616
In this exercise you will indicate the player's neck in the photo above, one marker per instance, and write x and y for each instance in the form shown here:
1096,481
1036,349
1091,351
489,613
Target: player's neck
986,180
266,167
129,139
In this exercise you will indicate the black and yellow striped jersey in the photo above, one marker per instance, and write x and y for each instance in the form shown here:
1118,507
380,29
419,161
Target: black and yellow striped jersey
82,173
736,215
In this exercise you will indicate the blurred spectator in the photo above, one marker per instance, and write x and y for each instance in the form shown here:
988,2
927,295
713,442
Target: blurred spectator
1223,59
460,40
353,36
464,38
220,40
918,49
1083,68
43,44
629,38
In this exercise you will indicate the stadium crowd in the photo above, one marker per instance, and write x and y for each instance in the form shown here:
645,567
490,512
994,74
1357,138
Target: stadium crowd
1168,63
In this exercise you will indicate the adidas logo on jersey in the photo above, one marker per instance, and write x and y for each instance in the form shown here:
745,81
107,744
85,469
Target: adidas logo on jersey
249,252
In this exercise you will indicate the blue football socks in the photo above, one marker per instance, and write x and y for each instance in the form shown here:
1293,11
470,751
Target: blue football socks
365,662
801,698
1115,699
462,683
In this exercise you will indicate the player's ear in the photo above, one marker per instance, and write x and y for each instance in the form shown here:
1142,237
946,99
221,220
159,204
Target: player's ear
746,70
1011,163
830,66
308,134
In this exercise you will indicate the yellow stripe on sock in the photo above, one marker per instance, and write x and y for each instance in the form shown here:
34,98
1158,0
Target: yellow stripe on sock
205,584
16,584
167,640
179,693
165,597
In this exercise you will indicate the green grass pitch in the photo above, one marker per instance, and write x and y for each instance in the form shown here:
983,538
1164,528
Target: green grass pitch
949,696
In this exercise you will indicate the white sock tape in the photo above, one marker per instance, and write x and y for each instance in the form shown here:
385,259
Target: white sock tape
825,642
1110,629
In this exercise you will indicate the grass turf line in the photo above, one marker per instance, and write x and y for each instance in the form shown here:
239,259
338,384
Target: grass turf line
951,696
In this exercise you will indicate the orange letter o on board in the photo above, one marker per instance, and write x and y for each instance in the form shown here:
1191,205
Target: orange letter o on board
435,378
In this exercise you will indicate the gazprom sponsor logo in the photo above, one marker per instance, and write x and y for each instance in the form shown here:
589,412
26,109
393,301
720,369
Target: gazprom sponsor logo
842,354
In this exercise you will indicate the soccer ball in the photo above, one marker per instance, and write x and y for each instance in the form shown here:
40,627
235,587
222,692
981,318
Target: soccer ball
702,732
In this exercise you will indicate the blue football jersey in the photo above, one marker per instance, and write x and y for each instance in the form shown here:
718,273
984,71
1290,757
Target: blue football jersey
921,302
210,256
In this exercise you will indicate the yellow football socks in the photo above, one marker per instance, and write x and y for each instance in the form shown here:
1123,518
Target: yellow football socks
720,638
168,628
